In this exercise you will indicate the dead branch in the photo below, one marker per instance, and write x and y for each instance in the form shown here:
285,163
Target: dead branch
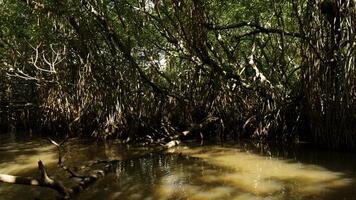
172,143
51,183
84,180
58,145
46,181
198,127
43,181
34,60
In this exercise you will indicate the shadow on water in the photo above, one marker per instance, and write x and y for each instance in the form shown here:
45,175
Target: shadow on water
20,153
242,171
214,172
18,156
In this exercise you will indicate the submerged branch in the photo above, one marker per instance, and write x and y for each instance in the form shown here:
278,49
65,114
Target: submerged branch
85,181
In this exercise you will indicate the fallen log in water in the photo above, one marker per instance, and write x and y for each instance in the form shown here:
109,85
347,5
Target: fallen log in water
84,181
43,181
46,181
202,126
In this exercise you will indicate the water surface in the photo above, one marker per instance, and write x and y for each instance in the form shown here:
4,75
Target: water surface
234,171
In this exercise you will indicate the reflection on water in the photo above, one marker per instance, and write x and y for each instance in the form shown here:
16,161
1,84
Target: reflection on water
214,172
195,172
242,175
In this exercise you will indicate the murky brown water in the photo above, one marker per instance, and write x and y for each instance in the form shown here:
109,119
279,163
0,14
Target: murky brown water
235,171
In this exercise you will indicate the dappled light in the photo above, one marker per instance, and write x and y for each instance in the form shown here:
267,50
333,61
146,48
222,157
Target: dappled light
128,99
215,172
184,172
153,71
241,174
17,158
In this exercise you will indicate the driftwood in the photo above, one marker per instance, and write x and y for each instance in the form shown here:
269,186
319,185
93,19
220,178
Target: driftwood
171,144
194,127
83,180
43,181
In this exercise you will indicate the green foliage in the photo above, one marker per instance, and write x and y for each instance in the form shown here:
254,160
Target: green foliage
143,69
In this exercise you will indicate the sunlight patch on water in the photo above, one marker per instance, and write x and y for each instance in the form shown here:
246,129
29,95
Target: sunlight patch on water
195,173
21,159
244,175
20,162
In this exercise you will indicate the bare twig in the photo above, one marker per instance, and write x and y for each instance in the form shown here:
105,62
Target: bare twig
58,145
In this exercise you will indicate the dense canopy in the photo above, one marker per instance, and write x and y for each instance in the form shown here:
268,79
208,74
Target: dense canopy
150,70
